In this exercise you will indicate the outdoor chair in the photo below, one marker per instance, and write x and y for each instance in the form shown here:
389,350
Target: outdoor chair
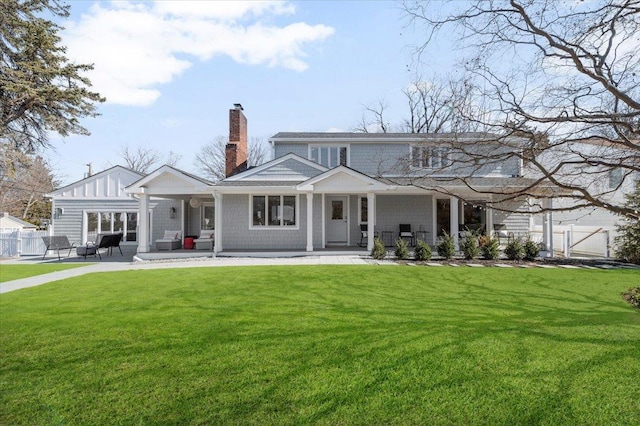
364,235
405,232
172,240
205,240
108,241
58,242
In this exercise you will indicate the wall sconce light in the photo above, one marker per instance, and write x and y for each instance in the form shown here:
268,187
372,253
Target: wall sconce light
57,212
172,213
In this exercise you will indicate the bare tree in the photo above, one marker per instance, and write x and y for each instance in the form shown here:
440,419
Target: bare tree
373,118
211,158
143,160
24,181
562,77
435,106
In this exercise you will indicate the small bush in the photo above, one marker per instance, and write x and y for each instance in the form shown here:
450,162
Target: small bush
470,247
632,296
515,249
489,247
379,250
531,249
423,251
445,246
402,252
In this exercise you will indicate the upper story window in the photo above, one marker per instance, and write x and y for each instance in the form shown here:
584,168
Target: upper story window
328,155
430,156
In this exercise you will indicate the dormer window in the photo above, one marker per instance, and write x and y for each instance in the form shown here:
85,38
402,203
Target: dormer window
430,157
328,155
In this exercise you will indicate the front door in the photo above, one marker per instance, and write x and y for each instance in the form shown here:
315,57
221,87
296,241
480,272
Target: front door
337,220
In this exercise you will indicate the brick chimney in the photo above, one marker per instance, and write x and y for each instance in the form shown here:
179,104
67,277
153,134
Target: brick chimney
236,150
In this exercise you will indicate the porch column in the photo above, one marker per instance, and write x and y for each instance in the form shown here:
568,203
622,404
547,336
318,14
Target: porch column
489,220
217,231
309,221
143,223
453,222
550,226
371,214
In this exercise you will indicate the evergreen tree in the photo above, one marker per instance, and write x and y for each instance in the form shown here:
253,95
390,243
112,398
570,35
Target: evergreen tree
628,239
40,90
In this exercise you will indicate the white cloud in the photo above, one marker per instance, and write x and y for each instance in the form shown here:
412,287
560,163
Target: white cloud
137,46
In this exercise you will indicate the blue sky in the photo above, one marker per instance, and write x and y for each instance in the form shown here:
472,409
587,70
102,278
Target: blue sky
172,70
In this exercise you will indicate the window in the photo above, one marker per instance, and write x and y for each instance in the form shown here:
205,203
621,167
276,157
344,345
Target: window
364,210
329,156
273,210
208,216
111,221
615,177
430,156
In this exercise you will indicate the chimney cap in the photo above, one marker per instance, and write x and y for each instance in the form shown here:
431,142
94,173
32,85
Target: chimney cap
238,106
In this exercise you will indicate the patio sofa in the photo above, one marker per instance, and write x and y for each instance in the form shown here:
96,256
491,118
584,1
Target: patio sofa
205,240
172,240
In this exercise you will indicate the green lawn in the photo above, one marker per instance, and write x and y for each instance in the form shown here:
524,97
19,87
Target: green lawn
323,344
15,272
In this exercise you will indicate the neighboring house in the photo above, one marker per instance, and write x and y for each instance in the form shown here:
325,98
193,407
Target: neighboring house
11,223
318,191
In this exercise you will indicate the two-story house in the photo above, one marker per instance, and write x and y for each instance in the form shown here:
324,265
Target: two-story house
321,190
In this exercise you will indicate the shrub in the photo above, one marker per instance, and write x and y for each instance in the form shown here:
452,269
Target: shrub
402,252
531,249
515,249
489,247
423,251
470,247
445,246
632,296
379,251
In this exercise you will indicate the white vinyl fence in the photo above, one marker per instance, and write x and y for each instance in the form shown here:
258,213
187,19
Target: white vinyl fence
21,243
581,241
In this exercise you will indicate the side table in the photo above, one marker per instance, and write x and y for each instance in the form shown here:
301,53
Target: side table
422,236
189,243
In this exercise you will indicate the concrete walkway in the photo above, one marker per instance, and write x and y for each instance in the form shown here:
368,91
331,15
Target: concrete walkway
116,264
37,280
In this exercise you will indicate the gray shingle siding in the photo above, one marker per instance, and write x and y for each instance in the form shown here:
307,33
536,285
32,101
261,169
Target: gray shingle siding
162,218
282,149
236,234
377,159
70,223
416,210
289,169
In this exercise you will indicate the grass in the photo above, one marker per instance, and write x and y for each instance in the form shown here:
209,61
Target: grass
323,345
16,272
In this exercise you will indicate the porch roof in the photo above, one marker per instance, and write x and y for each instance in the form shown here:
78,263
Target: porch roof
496,185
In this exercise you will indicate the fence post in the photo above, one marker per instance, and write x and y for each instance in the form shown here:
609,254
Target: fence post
19,243
607,247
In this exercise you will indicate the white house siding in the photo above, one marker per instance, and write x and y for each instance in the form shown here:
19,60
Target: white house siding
236,234
392,210
517,220
282,149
